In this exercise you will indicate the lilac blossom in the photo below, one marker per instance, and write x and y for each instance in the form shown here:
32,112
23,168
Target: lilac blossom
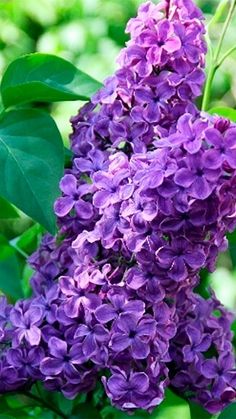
72,199
77,297
126,391
8,377
224,149
197,176
133,334
61,358
27,324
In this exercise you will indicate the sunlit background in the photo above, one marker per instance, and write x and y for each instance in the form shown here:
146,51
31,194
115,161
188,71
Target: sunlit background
90,33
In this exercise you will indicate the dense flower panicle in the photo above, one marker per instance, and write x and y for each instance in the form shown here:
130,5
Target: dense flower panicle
162,203
161,72
145,206
202,354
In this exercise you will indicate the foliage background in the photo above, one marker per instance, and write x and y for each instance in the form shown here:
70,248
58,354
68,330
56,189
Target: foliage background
90,33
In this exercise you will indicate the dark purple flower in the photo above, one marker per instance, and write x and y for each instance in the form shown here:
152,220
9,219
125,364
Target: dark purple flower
134,334
199,342
189,133
61,359
93,337
107,94
154,101
189,47
136,58
221,369
8,377
161,166
47,303
179,256
127,390
26,361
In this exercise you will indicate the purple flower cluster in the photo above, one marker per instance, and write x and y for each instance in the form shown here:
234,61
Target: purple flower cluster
203,359
146,205
161,72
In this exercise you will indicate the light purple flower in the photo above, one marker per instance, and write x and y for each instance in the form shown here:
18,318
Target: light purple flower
224,148
119,304
72,199
94,162
160,41
111,188
197,176
77,297
26,325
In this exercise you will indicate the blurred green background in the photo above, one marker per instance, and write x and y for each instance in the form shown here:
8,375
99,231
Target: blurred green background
90,33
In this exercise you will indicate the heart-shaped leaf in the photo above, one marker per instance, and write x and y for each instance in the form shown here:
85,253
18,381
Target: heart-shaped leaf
31,160
10,278
43,77
7,210
229,412
198,412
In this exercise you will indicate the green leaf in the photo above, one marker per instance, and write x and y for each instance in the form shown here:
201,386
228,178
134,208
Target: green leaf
7,210
31,159
29,240
229,412
10,278
1,106
85,411
173,407
43,77
219,12
232,247
68,157
27,274
225,112
198,412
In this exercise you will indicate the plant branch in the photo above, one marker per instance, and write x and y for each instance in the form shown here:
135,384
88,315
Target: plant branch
215,58
226,55
225,27
44,403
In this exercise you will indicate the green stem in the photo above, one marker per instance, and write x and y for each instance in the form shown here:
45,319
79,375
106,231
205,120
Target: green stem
225,27
44,403
226,55
214,62
207,90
